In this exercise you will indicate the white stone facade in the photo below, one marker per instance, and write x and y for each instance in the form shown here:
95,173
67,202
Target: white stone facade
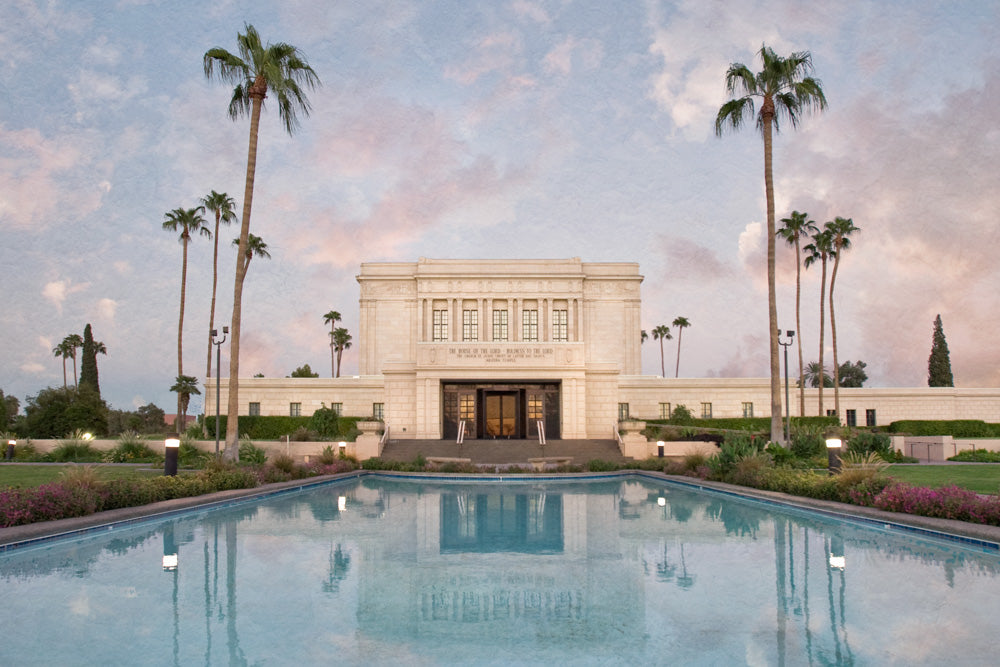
508,345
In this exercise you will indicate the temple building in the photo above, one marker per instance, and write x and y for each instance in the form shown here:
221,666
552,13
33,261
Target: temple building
505,348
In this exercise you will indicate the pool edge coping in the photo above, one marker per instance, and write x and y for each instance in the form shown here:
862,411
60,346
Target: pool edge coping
16,537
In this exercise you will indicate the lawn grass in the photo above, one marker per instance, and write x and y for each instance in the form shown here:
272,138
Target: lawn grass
25,476
981,478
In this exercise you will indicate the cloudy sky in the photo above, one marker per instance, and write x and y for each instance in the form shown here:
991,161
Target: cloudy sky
495,129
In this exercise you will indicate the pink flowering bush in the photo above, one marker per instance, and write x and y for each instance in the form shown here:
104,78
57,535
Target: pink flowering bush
948,502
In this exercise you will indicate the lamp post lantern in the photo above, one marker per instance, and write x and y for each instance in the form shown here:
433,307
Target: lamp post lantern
218,361
788,428
171,450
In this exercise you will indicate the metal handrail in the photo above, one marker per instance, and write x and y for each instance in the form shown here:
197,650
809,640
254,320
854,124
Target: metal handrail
618,437
461,432
384,439
541,432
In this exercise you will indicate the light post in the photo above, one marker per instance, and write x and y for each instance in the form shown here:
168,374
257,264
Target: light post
172,448
218,381
833,449
11,445
788,427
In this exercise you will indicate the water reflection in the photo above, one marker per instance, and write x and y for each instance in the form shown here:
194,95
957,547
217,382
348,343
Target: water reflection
380,571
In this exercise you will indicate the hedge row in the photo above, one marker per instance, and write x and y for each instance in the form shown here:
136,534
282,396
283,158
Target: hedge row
274,427
959,428
755,424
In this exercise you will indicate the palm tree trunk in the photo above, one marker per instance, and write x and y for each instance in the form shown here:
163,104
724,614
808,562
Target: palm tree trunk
215,280
822,328
178,422
663,369
333,353
76,381
340,351
833,339
772,305
65,384
232,451
798,324
677,366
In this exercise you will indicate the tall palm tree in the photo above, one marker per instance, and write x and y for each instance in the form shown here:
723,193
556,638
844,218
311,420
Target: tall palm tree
331,318
74,342
785,92
796,226
257,70
184,385
255,248
62,350
680,323
821,249
189,221
840,230
662,333
813,373
222,206
341,341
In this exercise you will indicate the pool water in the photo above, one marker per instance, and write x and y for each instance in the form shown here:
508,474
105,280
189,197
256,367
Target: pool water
383,570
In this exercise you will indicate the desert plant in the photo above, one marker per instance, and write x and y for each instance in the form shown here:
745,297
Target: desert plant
282,462
83,477
864,442
807,441
131,447
75,447
328,456
302,434
250,453
189,455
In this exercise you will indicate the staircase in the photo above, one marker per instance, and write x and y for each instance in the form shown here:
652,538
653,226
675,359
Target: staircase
503,451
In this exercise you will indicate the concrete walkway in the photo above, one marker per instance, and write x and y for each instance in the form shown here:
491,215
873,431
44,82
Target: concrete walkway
503,451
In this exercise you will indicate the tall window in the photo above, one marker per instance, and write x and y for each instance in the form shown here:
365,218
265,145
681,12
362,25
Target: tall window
378,411
440,332
499,325
294,409
664,411
467,407
622,412
747,410
338,408
254,409
852,418
470,325
706,410
560,325
870,418
534,407
529,325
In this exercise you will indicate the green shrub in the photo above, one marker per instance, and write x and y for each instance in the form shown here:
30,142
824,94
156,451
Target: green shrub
680,415
807,441
959,428
303,434
325,422
283,462
874,443
190,456
74,448
328,456
977,456
131,447
250,453
597,465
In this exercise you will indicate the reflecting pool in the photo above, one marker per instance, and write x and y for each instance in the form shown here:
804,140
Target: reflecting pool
391,571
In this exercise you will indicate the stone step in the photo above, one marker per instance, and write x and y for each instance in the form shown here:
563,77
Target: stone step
503,451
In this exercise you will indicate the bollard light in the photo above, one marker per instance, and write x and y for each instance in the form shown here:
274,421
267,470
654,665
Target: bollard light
342,449
833,446
11,444
661,501
88,436
660,445
172,447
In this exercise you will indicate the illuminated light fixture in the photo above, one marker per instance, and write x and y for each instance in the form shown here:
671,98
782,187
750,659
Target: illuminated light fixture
343,446
169,562
342,503
838,562
833,446
88,436
660,445
661,501
172,446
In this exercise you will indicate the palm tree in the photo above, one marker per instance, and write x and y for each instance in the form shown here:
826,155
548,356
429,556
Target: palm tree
184,385
662,333
680,323
222,206
812,375
840,230
63,350
797,225
820,250
188,221
74,342
341,341
785,91
331,318
256,71
255,248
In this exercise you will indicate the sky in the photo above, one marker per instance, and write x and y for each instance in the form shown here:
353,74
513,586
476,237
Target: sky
495,129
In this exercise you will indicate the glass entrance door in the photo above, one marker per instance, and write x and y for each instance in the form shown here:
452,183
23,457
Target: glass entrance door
501,414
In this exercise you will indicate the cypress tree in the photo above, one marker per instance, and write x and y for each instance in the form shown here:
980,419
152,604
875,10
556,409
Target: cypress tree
88,370
939,363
